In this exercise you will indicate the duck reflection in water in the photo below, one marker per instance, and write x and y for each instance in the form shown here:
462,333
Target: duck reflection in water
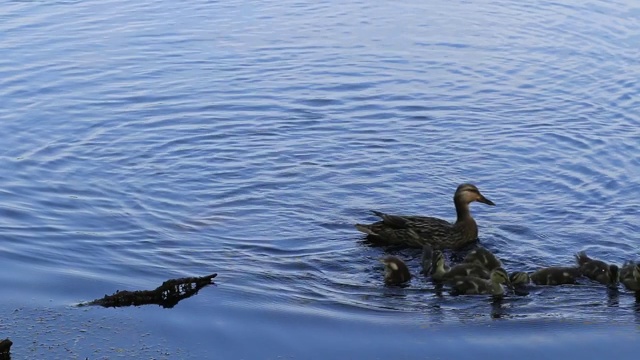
613,297
498,308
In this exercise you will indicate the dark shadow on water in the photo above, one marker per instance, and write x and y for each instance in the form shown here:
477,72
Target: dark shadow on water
613,297
636,308
438,290
499,310
521,290
395,291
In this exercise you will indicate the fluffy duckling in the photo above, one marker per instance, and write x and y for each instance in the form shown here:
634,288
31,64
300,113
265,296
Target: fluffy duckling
555,275
427,256
438,266
597,270
474,286
463,270
482,257
630,276
519,279
396,271
440,271
520,282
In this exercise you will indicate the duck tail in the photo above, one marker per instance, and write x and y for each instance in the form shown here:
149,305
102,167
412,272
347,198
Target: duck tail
582,258
365,229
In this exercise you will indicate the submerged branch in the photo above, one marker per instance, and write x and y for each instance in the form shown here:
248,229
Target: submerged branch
166,295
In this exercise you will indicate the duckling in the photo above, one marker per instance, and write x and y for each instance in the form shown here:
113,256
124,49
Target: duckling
519,279
555,275
438,266
474,285
463,270
630,276
427,256
440,271
520,282
483,257
439,233
597,270
396,271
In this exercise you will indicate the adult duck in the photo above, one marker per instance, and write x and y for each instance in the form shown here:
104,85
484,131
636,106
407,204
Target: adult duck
416,231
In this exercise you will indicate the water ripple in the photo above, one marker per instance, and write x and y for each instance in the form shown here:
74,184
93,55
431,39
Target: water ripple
145,141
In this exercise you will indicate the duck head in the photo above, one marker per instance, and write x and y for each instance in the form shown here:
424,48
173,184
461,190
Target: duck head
519,278
500,276
437,262
468,193
391,263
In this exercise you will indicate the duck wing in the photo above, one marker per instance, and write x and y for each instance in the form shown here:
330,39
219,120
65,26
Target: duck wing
415,221
379,232
392,221
415,231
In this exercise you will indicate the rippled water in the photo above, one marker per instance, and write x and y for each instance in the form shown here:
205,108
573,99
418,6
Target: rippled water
154,139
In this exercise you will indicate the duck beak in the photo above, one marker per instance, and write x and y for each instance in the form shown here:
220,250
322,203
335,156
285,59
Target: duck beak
484,200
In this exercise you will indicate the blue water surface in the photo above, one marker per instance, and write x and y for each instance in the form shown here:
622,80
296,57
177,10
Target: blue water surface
147,140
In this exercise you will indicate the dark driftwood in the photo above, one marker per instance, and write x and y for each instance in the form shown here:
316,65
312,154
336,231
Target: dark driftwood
166,295
5,347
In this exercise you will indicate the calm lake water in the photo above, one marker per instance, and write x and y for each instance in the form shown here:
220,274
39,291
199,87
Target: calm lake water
148,140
